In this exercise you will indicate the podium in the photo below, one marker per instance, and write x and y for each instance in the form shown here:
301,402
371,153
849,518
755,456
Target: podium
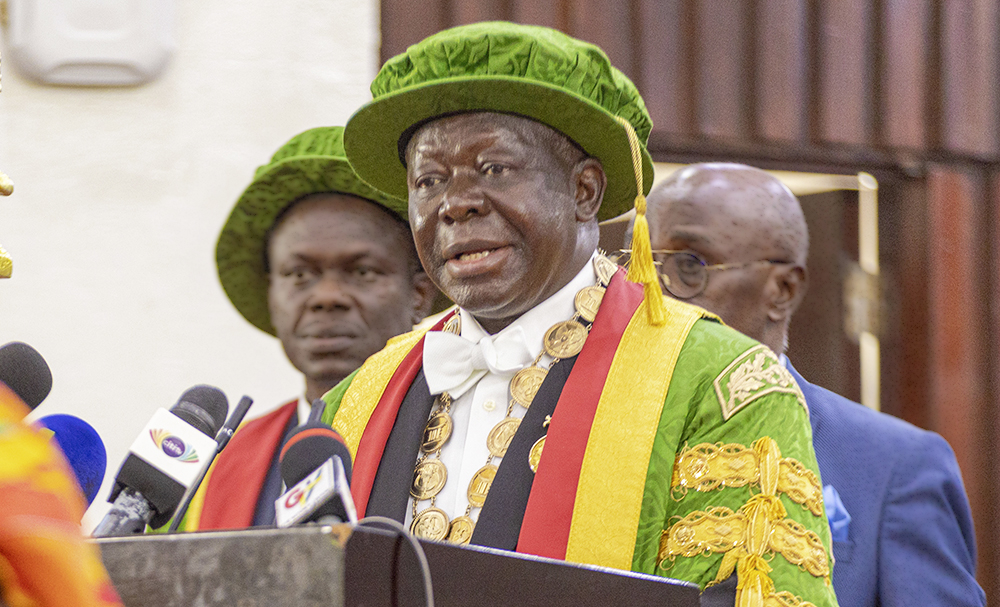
334,566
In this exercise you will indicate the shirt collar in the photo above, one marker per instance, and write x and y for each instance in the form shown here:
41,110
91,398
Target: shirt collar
536,321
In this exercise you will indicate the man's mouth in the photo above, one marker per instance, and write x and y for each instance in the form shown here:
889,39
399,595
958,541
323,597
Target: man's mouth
475,256
471,259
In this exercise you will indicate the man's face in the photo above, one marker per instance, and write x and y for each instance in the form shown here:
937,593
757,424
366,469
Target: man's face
712,222
493,212
340,284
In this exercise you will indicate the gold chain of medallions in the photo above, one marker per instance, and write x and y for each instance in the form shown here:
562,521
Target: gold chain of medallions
748,536
562,340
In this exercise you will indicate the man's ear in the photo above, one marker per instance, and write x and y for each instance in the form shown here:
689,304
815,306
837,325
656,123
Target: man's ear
789,284
590,180
424,293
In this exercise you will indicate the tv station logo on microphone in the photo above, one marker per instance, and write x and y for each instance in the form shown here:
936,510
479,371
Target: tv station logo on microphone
173,446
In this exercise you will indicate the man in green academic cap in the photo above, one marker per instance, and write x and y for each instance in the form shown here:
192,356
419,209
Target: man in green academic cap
566,409
323,261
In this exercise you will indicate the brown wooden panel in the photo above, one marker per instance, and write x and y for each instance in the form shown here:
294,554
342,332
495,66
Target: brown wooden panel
608,24
903,87
472,11
780,30
959,330
845,101
550,13
969,76
723,68
665,74
405,22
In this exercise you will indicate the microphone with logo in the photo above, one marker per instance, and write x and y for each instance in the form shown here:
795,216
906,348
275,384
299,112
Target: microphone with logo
83,448
316,466
169,455
25,372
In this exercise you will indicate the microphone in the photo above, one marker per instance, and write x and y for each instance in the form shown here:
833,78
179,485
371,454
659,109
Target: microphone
83,448
25,372
169,455
316,466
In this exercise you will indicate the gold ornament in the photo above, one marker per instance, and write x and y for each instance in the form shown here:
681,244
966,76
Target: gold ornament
565,339
437,432
429,478
454,325
535,455
605,269
480,485
588,301
501,435
431,524
461,530
525,384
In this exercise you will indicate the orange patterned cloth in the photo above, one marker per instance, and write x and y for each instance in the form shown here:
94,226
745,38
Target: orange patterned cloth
44,561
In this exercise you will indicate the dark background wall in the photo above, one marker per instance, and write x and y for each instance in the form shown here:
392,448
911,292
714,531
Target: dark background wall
904,89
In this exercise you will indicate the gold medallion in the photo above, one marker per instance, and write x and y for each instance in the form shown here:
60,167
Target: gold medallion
605,269
454,325
428,479
431,524
436,432
461,530
501,435
480,485
588,301
565,339
535,455
525,384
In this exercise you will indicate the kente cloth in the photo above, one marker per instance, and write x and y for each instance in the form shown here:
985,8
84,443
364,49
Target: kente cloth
682,450
44,560
230,493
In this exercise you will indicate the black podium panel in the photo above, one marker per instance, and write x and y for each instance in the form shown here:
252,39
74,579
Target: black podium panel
382,571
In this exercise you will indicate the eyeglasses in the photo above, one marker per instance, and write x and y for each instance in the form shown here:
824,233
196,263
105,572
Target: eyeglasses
685,274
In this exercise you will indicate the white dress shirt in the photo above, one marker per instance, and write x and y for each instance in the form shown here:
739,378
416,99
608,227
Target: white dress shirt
480,405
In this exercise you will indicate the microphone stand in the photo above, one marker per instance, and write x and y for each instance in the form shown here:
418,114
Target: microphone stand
222,439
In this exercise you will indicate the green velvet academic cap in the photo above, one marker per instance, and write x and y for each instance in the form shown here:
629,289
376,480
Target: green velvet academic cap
312,162
532,71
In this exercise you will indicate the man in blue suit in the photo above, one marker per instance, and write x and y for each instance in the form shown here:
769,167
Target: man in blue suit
732,239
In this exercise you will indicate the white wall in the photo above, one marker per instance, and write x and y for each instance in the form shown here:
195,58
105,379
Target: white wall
120,195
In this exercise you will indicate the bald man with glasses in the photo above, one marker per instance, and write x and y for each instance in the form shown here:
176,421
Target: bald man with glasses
732,239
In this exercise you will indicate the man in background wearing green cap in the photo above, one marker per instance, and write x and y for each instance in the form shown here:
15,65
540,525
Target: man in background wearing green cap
566,409
318,258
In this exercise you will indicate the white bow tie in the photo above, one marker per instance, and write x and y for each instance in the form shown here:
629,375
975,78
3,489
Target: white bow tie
454,364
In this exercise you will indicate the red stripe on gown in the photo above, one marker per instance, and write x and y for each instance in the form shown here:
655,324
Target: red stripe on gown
549,513
238,475
376,433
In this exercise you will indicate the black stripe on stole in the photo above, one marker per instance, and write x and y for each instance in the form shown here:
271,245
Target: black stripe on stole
499,523
391,489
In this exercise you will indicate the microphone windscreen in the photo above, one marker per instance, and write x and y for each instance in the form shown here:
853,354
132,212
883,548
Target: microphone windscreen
25,372
83,448
204,407
307,448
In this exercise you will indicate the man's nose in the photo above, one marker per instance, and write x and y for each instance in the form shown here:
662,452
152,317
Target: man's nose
463,198
330,292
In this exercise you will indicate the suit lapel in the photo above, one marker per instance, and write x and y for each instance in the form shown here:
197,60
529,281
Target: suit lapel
499,522
391,489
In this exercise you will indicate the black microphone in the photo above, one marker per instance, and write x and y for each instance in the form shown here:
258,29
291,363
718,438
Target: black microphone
25,372
316,467
169,455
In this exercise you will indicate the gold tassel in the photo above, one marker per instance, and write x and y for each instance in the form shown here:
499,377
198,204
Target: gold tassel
641,268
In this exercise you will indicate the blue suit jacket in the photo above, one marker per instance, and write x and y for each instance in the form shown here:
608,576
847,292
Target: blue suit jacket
910,540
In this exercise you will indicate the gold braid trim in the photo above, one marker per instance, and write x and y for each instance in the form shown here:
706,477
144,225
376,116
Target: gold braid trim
785,599
707,467
745,537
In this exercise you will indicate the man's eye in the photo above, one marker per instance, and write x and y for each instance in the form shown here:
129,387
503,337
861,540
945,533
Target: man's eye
493,169
427,182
